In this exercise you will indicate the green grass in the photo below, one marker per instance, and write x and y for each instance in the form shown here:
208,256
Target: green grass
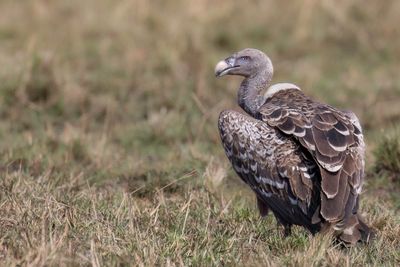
109,151
387,155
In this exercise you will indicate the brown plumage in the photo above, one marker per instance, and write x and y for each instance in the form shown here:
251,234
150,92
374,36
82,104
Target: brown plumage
303,159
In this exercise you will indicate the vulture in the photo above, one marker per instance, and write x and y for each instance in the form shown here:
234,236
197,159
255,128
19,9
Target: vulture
303,159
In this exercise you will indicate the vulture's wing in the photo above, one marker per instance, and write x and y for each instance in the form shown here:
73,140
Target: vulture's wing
332,137
273,166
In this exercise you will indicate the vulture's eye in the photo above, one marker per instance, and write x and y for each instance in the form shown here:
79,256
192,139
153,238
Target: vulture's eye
244,58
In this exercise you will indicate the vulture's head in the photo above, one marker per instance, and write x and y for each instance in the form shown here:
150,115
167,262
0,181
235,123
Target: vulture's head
248,63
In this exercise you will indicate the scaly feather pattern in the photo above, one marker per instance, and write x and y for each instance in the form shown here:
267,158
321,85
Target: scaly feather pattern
334,139
283,178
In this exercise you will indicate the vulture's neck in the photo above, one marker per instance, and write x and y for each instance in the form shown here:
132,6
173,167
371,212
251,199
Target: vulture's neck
249,94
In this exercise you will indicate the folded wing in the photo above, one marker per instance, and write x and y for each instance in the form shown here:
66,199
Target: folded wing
332,137
275,168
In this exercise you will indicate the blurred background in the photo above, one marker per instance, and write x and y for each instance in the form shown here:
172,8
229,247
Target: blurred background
117,99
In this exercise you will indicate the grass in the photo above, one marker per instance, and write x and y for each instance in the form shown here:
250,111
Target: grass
109,151
387,155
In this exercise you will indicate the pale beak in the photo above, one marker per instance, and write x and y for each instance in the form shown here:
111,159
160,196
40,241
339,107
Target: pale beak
224,66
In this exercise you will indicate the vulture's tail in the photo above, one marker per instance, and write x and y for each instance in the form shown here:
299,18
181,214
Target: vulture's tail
356,230
367,234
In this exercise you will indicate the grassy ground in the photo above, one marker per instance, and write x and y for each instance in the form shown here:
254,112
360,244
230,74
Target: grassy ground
109,151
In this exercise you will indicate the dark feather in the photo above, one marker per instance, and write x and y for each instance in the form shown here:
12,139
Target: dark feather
337,140
321,142
341,127
332,209
287,126
330,183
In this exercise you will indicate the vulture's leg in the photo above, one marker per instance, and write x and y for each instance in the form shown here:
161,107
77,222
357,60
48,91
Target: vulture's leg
287,230
262,207
287,227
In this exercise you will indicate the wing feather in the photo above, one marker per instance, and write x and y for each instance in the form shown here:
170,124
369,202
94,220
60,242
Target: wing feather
332,209
273,166
332,137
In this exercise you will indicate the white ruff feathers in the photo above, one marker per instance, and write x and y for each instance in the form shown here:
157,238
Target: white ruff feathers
275,88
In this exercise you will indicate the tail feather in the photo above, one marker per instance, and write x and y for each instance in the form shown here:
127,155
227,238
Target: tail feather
367,234
356,230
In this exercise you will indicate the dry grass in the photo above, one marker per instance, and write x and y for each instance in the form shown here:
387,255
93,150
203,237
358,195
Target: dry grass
110,153
387,155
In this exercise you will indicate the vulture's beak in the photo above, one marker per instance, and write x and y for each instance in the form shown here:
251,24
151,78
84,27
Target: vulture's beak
224,66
